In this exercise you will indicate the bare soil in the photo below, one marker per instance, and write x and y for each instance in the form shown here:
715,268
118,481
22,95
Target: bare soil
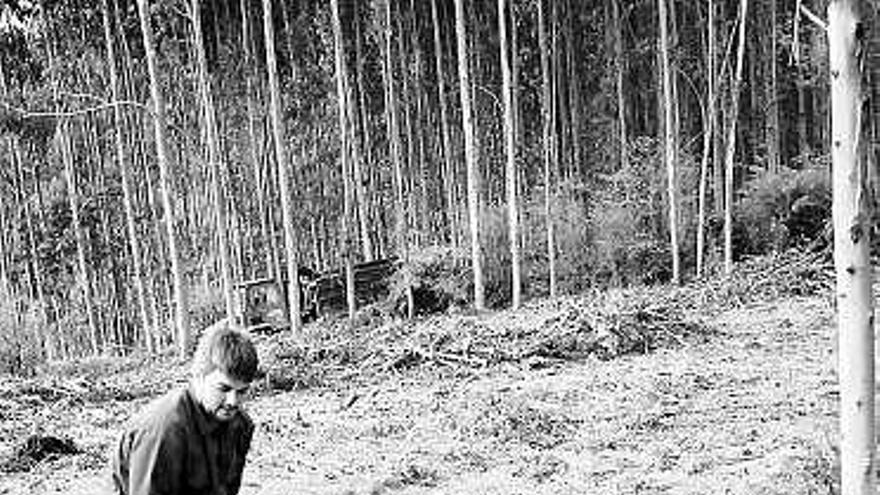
746,407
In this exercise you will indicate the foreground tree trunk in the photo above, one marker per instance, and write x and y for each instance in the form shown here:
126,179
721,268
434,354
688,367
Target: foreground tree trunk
855,312
181,308
471,157
293,301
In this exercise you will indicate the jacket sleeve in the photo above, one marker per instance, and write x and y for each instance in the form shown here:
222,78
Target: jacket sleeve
243,445
156,461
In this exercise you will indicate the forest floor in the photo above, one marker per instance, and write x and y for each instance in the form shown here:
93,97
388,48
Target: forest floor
624,392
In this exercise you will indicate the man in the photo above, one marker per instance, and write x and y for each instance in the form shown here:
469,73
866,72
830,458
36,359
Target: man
194,440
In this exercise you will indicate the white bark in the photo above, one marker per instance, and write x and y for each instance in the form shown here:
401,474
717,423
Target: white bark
471,156
855,313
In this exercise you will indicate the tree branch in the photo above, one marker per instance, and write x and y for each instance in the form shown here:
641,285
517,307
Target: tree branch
24,114
813,17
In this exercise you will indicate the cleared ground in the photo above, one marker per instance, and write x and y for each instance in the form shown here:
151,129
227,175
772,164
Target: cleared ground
743,403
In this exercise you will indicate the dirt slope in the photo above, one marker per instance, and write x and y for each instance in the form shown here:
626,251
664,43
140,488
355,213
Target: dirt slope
749,411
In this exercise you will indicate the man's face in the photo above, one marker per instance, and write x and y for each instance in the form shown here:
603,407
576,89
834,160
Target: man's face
221,395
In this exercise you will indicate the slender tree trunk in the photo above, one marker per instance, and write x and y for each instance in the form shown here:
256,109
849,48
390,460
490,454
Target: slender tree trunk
510,149
620,70
255,127
215,158
446,142
366,155
413,217
719,112
847,48
731,142
548,137
6,289
800,85
574,106
293,299
424,211
394,146
181,310
471,155
772,97
709,121
669,138
342,95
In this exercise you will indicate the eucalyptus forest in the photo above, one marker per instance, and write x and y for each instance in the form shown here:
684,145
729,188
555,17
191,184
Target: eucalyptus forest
559,185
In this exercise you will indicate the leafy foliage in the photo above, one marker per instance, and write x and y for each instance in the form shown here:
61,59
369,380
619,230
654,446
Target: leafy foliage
440,277
782,210
629,221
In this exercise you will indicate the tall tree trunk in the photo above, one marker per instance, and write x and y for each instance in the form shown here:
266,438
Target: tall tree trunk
424,210
393,132
510,150
293,296
574,106
6,288
181,309
215,158
772,97
669,150
471,156
366,155
801,87
709,120
342,105
446,151
547,104
620,71
719,111
413,217
847,49
255,127
731,141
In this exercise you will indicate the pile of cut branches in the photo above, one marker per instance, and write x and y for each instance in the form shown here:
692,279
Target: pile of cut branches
791,273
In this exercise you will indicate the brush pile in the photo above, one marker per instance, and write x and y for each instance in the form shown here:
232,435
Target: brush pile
767,278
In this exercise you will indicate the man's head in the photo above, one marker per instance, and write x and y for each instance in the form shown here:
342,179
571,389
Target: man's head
224,365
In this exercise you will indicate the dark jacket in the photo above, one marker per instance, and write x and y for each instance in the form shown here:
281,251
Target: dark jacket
175,448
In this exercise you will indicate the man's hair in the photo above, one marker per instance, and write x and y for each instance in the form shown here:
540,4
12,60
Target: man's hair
227,347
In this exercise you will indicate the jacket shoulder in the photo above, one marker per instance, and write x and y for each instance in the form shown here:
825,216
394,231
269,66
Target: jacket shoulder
166,412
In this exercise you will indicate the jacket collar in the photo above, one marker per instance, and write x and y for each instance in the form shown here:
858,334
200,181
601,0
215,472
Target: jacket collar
205,423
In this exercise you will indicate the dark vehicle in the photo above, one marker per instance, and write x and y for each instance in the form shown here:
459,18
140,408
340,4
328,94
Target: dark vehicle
262,303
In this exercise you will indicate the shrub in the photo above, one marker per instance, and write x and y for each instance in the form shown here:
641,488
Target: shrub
785,209
629,217
440,277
